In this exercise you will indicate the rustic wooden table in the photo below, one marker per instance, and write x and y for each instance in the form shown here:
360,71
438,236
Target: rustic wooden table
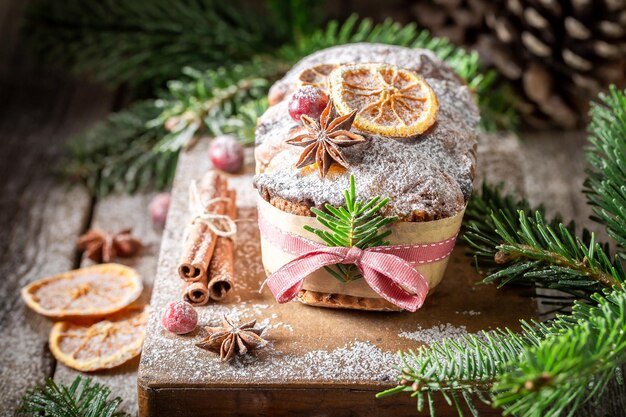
41,217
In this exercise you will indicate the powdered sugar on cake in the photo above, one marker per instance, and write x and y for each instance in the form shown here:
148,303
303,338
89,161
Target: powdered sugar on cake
431,173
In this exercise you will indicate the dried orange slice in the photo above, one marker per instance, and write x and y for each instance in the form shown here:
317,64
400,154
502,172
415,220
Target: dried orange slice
317,76
85,293
102,345
390,101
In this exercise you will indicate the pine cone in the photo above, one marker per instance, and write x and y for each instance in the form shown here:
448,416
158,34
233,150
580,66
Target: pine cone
460,21
559,54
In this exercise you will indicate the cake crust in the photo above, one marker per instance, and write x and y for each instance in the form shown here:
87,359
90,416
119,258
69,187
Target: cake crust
426,177
328,300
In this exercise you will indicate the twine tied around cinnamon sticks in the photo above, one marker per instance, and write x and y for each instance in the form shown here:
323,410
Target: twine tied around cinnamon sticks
205,212
206,267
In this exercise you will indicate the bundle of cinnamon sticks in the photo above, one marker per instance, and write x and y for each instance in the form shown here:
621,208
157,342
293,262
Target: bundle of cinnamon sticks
206,267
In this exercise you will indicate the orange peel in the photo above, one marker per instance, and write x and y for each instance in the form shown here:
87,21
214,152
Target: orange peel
389,100
87,293
102,345
317,76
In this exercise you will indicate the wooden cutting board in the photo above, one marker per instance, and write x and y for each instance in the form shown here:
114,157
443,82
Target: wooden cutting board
318,362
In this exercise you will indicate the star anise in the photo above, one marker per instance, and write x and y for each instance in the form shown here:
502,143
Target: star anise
101,246
323,140
232,338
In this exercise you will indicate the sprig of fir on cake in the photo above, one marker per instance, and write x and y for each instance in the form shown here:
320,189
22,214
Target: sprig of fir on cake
357,224
210,91
556,367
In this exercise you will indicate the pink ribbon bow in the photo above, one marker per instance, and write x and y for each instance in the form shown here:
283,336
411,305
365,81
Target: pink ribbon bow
388,270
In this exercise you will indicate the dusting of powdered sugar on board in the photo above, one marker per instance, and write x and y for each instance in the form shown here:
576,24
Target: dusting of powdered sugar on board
435,333
355,362
430,173
469,313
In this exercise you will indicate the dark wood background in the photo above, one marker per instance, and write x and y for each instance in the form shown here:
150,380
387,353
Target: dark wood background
41,216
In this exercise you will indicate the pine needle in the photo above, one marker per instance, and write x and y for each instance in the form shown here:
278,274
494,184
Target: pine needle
606,180
149,42
80,399
357,224
122,154
515,244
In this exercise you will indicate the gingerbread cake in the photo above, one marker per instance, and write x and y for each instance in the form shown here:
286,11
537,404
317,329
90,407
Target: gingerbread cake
426,170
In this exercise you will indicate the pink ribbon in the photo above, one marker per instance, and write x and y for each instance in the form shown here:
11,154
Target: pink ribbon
388,270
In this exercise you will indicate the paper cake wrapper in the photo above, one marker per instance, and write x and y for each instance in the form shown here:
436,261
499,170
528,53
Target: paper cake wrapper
321,281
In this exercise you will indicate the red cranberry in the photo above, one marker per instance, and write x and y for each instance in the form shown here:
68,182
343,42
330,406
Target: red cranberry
307,100
158,208
226,153
179,317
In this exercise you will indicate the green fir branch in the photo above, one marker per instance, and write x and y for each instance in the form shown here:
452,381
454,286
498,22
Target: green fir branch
132,150
562,373
297,18
463,369
544,370
137,42
122,154
357,224
516,247
605,186
479,226
215,102
496,102
80,399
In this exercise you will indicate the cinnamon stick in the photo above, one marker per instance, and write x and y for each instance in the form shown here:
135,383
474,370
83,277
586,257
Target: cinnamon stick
221,269
196,293
200,243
